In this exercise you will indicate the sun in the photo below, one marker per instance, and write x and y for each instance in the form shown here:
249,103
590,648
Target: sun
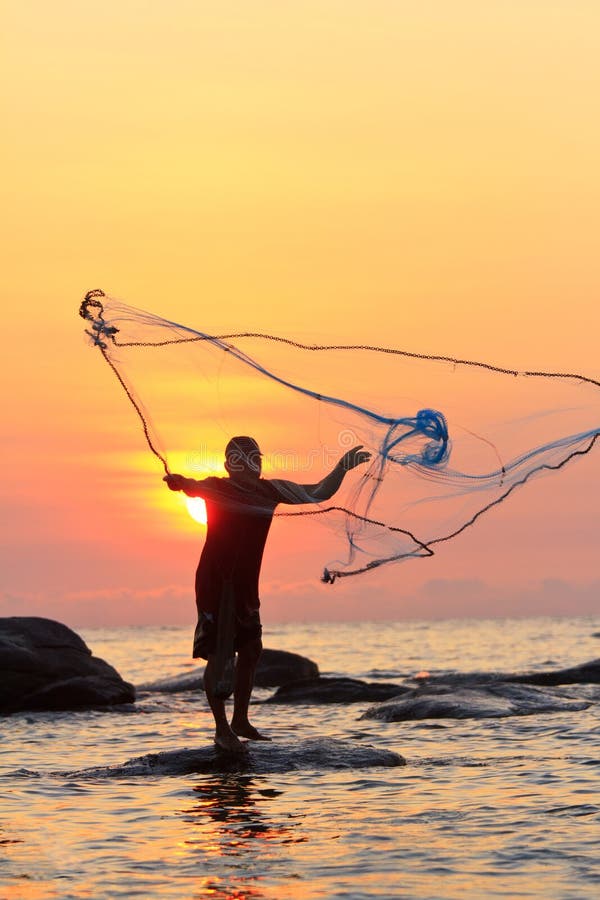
197,509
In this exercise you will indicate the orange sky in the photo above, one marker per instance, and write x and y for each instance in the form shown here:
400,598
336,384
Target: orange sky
423,175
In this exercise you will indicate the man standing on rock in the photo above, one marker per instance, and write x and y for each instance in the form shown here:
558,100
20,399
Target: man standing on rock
239,510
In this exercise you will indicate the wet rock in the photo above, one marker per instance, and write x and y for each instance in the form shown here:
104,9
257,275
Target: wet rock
275,667
496,700
319,754
586,673
335,690
45,665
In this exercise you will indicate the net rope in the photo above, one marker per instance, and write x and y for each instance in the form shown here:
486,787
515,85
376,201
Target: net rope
431,459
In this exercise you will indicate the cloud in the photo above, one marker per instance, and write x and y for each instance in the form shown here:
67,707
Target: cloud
171,604
309,600
440,598
474,597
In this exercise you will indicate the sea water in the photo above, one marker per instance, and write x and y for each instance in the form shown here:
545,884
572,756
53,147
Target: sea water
494,807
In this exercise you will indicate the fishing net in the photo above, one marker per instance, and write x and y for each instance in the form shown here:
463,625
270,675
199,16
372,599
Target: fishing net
450,439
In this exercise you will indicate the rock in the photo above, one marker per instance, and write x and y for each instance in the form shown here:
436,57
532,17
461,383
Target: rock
275,667
175,684
495,700
586,673
45,665
335,690
261,758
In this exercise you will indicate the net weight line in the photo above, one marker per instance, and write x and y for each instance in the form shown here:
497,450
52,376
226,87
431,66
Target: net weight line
92,310
100,330
329,576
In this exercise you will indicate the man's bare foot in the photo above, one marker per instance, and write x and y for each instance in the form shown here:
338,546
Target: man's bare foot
229,742
245,729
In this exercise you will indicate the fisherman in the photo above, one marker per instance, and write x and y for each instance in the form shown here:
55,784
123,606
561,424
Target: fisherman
239,511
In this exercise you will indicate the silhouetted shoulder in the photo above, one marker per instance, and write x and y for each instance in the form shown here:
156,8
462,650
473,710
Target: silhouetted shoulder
210,488
289,492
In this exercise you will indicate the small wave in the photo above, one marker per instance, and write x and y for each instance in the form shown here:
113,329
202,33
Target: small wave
469,762
23,773
577,809
385,673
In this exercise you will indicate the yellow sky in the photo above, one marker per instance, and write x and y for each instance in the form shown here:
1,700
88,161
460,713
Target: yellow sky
420,174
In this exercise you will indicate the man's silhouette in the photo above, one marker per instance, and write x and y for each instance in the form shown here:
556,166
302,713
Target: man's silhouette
239,513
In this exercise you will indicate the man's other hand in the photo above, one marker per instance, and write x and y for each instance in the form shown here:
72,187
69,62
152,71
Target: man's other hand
174,482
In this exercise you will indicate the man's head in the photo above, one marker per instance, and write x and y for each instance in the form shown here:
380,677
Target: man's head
243,459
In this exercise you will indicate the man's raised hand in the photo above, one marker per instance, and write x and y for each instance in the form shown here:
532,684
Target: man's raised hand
355,457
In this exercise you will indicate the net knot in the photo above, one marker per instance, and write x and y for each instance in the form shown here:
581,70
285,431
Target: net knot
433,424
92,310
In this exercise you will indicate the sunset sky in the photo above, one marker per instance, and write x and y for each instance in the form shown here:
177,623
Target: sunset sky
423,175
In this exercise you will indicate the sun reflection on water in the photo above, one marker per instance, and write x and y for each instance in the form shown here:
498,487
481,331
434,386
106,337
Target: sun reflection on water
217,889
230,819
228,816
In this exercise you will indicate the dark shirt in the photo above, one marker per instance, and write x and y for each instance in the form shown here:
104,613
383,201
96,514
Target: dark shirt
238,522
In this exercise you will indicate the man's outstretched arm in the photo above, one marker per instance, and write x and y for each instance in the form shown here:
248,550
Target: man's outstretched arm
189,486
326,488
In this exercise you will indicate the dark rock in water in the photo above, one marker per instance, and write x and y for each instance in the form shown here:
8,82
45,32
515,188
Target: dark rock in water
586,673
45,665
335,690
495,700
262,758
275,667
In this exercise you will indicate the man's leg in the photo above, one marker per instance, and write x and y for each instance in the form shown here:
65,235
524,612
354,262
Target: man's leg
248,657
225,738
